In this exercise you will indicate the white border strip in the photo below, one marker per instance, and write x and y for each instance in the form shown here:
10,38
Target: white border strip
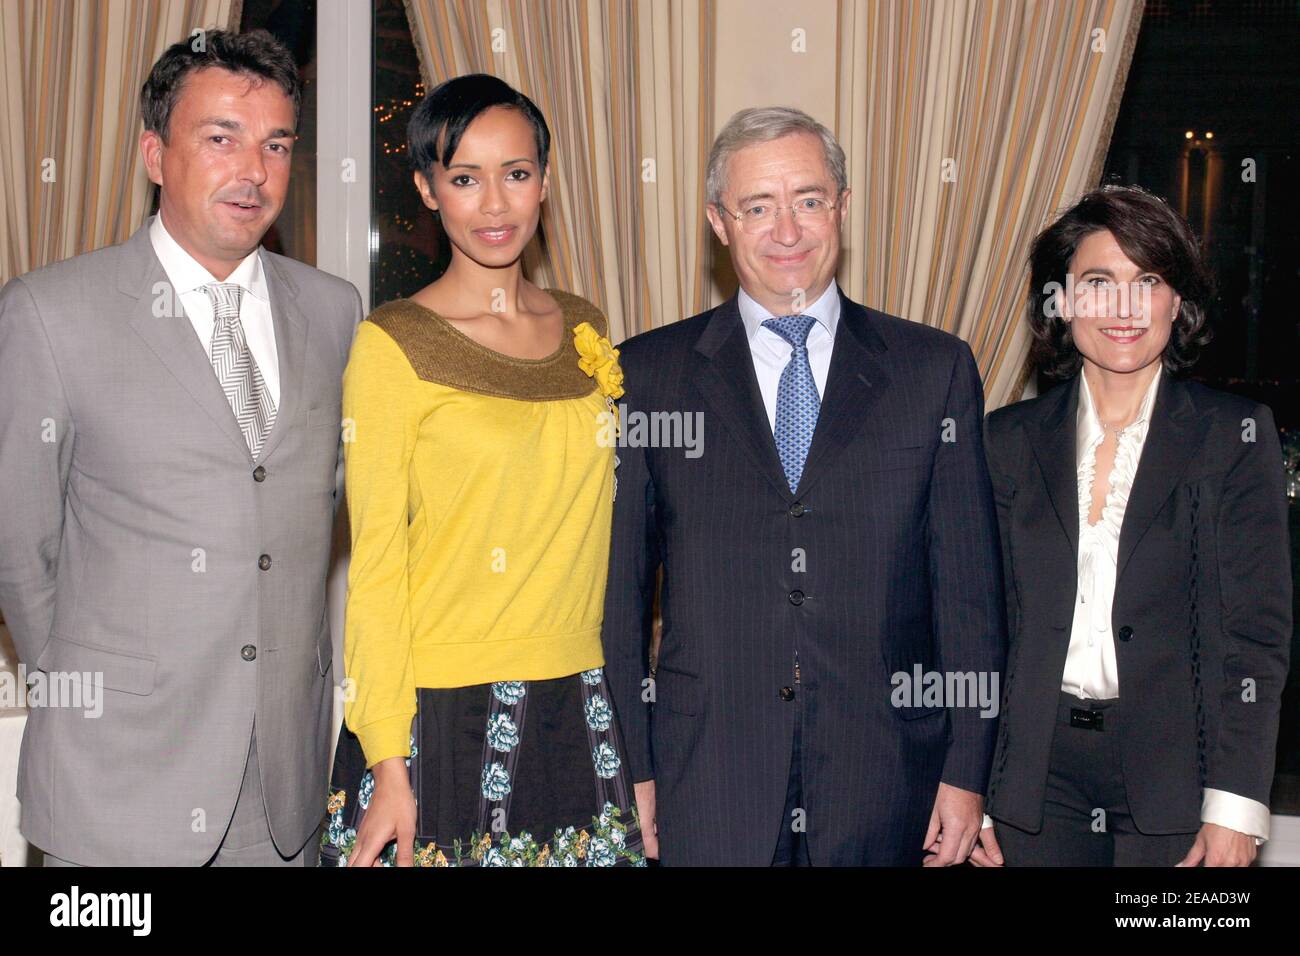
1283,846
343,112
343,234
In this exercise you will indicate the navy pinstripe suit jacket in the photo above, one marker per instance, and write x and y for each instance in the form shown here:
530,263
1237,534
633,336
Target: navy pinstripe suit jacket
886,558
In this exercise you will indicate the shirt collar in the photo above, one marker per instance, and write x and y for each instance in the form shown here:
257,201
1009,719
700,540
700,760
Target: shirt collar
1089,431
826,310
187,275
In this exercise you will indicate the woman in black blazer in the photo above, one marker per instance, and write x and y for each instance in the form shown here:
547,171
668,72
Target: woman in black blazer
1148,581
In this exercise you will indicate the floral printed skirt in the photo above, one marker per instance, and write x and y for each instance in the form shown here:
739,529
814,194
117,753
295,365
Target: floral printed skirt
514,773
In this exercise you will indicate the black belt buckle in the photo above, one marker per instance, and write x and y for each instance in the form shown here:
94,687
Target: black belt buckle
1087,719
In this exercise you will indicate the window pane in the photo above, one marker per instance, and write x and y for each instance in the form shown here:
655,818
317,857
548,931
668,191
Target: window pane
411,251
293,23
1204,122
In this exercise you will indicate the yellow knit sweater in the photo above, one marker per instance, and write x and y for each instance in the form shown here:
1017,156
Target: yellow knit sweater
480,500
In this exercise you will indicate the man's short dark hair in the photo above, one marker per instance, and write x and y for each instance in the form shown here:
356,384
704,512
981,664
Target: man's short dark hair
448,109
1153,236
255,54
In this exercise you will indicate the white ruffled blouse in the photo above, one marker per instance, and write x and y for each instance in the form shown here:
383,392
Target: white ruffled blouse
1090,670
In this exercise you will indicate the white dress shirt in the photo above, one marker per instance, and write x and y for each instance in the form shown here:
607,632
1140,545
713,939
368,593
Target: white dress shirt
188,279
771,353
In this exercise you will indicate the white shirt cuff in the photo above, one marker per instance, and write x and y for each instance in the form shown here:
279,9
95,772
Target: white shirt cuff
1236,813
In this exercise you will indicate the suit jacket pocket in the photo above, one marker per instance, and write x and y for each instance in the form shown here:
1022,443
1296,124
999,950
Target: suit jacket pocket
129,673
678,692
911,712
1004,493
325,415
907,688
896,457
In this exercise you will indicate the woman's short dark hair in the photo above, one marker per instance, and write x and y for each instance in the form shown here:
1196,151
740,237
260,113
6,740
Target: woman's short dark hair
448,109
254,54
1153,236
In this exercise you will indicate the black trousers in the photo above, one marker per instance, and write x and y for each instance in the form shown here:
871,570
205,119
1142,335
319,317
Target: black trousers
792,845
1086,818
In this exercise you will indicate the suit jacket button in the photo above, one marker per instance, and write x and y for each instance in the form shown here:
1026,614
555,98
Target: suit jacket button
787,693
797,509
259,473
796,597
264,562
1125,633
248,652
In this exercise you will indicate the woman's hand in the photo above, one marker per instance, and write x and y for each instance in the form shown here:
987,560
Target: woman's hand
987,852
645,809
1219,846
391,814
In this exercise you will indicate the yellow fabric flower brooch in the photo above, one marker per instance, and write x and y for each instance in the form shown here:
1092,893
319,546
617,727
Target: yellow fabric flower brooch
598,359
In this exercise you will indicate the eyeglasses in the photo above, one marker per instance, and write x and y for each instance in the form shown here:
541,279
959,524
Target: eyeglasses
761,216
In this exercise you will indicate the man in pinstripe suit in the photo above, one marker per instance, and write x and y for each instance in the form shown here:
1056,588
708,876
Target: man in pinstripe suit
834,541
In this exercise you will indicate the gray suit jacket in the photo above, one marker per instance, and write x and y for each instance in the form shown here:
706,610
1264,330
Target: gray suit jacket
135,533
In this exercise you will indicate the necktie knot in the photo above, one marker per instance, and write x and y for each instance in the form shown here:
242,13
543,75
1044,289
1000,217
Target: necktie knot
793,328
225,297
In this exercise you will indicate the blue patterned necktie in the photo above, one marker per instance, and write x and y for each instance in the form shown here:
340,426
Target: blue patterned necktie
236,369
797,401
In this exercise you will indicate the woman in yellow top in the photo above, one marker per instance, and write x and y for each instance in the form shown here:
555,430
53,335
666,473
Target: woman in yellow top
480,484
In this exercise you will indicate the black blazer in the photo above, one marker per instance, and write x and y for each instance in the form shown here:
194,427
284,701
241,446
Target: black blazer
895,531
1202,609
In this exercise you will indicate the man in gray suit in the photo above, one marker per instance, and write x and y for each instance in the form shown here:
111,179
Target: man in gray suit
169,459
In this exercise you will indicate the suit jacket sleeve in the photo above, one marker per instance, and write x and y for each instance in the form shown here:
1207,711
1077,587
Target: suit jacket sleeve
966,574
1255,591
36,440
630,592
997,439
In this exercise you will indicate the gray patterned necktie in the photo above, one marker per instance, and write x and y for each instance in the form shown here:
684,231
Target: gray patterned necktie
238,374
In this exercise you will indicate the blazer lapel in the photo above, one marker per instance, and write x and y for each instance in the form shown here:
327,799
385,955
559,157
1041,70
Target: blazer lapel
855,381
290,346
160,320
1173,438
1055,453
729,386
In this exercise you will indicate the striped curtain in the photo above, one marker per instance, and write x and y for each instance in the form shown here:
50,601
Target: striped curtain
626,89
968,126
675,48
72,178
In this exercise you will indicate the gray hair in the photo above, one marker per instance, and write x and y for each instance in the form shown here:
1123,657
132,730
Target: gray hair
762,125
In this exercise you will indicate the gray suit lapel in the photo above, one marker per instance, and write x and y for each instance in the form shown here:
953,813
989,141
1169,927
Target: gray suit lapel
160,320
290,347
